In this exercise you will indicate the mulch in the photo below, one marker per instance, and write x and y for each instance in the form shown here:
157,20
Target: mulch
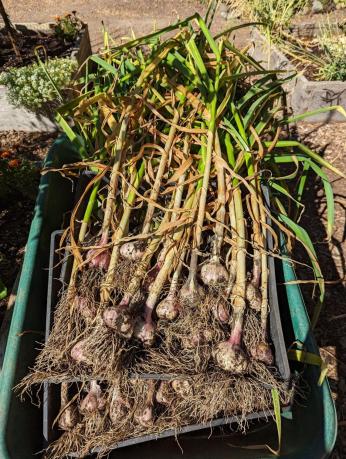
330,142
26,43
17,211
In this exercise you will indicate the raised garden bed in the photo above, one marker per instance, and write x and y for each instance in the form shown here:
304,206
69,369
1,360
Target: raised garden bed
303,95
21,156
20,119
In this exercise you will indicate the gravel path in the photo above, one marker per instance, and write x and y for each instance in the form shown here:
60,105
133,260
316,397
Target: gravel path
119,17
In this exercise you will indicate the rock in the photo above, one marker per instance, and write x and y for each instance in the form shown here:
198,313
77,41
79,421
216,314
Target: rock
317,7
223,10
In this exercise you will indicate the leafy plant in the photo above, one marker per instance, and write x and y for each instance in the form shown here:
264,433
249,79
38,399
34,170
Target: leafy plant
247,112
325,54
340,4
3,290
37,84
334,70
333,45
276,15
187,130
68,26
18,177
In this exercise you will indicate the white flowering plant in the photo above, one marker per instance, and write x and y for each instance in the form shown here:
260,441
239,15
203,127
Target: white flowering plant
38,86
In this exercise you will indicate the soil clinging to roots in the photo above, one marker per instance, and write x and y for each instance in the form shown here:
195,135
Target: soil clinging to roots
182,353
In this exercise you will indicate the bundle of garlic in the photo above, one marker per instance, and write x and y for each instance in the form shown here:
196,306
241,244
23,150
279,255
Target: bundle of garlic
168,241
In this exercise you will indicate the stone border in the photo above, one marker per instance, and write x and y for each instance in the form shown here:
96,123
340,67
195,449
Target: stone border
18,118
303,95
308,29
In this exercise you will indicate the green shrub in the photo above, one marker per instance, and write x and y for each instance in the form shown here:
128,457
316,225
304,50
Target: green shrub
18,178
334,49
275,14
340,4
32,88
335,70
67,27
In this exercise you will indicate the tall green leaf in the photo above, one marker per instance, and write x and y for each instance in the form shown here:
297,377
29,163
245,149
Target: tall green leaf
304,238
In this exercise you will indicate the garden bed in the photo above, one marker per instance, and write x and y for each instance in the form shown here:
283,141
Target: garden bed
20,153
29,37
303,95
18,118
310,28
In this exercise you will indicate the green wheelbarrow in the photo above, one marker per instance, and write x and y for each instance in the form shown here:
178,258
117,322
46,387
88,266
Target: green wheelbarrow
309,432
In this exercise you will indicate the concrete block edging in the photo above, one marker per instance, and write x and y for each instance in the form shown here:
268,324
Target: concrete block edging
303,95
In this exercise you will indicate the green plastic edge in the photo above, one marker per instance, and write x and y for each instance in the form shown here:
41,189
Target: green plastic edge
8,371
10,358
303,333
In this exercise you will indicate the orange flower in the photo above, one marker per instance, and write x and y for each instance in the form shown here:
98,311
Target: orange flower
5,154
57,18
14,163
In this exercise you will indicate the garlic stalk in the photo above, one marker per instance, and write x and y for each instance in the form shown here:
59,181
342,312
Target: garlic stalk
100,257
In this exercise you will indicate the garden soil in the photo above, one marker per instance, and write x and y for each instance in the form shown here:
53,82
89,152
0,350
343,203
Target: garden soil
27,45
17,212
330,141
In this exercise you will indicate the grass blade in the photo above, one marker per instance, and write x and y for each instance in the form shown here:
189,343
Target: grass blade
295,118
316,157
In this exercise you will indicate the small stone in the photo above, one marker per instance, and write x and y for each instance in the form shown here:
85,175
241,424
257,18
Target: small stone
223,10
317,7
305,11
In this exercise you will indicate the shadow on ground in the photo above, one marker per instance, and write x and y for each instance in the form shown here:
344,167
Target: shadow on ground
331,329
